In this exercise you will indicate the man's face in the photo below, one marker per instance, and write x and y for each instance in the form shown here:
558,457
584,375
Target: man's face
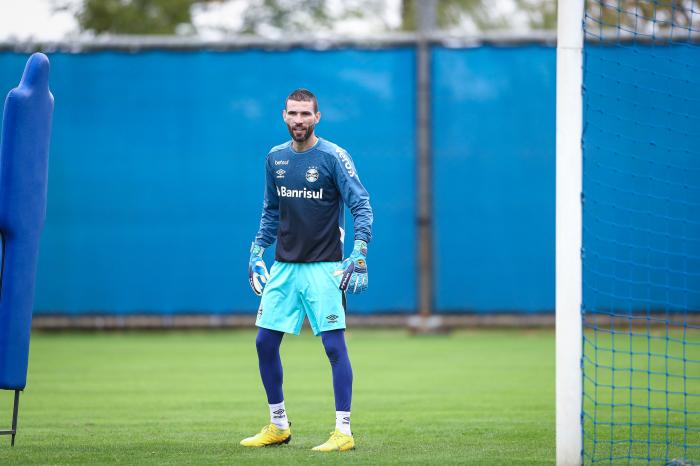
300,119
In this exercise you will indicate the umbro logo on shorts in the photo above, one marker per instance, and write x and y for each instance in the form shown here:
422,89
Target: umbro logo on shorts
332,318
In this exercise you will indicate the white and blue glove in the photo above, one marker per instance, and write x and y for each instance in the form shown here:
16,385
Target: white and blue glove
354,270
257,271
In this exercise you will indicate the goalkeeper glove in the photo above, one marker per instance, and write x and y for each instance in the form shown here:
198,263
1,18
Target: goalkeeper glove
257,271
354,269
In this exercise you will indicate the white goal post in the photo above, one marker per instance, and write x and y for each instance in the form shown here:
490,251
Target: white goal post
569,232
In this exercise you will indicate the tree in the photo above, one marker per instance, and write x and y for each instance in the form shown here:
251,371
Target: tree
643,16
540,14
478,14
277,17
310,15
304,16
129,16
135,17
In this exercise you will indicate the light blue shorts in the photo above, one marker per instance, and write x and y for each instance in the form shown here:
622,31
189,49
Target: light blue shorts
296,290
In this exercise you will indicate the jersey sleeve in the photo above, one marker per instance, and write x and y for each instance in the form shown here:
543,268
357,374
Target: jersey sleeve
269,220
354,195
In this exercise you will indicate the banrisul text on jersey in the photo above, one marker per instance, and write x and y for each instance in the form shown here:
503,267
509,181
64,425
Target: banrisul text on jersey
305,193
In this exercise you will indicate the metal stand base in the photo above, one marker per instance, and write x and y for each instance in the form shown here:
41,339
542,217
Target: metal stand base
427,325
15,411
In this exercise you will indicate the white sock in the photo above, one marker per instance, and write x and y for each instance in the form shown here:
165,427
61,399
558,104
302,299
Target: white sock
342,422
278,415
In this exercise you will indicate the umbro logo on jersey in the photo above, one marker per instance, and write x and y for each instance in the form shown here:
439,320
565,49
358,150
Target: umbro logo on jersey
281,162
280,173
332,318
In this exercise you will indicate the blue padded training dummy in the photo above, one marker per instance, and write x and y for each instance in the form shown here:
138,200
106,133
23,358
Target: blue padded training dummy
24,151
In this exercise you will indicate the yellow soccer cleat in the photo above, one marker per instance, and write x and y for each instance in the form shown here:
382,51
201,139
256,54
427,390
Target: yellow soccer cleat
338,442
269,435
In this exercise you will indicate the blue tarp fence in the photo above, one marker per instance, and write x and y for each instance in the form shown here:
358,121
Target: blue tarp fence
156,175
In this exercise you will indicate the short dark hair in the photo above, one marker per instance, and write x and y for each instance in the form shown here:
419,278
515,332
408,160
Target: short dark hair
302,95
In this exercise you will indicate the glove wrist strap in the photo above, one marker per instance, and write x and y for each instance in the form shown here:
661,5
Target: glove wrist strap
256,249
360,246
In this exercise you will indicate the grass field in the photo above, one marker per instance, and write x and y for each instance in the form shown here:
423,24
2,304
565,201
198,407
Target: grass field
627,373
473,397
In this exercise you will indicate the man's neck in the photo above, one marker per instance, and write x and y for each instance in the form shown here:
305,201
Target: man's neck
305,145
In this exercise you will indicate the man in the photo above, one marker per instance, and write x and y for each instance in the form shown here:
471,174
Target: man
308,182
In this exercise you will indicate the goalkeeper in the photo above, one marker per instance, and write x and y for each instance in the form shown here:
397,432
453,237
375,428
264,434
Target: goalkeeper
308,181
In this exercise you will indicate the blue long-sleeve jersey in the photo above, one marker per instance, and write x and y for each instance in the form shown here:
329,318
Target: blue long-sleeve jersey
303,207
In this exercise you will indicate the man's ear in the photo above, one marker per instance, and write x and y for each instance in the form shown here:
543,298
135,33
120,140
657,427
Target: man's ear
284,115
318,117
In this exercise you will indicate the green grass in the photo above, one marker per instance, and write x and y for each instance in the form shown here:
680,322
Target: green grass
625,375
476,397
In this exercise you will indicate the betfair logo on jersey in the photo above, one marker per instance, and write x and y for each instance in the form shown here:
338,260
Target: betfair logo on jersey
281,162
283,191
345,158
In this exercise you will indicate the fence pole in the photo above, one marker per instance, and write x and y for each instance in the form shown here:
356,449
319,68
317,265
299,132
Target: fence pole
425,11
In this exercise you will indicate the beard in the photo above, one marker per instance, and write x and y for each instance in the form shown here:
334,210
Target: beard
303,137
